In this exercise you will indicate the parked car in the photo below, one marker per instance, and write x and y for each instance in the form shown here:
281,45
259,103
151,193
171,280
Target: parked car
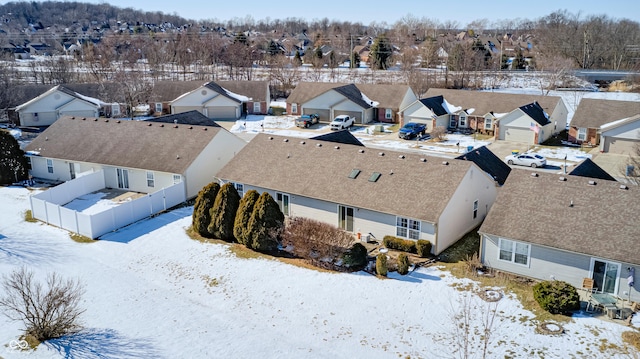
526,159
342,122
307,120
411,130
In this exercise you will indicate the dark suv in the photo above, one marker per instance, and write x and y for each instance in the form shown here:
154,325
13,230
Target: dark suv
307,120
411,130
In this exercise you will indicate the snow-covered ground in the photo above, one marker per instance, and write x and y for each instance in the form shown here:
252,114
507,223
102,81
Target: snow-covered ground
151,292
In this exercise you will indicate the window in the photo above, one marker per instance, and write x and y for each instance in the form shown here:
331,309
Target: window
150,179
605,275
354,173
375,176
475,209
582,134
407,228
177,179
49,165
283,202
388,114
345,219
256,107
29,163
123,178
240,189
488,124
463,121
115,109
453,121
159,107
514,252
294,108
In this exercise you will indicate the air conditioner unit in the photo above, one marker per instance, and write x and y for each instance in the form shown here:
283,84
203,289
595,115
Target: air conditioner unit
366,238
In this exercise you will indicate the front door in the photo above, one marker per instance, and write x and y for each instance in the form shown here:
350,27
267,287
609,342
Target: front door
345,218
605,275
72,170
123,178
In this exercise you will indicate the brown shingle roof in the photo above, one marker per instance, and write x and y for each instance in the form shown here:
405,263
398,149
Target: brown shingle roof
603,220
132,144
593,113
387,95
485,102
317,169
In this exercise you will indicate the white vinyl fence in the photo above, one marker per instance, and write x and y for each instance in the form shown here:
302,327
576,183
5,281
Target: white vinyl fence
47,206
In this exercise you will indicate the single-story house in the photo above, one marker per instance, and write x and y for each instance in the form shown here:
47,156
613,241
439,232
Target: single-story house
530,124
366,191
548,226
58,101
365,102
137,156
593,113
479,110
622,136
223,100
432,111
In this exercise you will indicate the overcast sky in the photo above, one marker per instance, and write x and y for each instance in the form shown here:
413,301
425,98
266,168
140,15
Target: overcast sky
462,11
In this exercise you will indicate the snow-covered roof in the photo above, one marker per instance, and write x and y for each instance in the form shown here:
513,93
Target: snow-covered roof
238,97
450,108
369,101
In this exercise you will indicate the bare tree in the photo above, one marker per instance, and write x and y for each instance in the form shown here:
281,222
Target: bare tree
471,339
47,311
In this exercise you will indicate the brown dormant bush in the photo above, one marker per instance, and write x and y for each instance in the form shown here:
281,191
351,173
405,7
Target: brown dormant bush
315,240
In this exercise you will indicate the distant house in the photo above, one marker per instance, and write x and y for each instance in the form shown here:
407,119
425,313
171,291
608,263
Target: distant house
488,162
591,114
548,226
365,102
530,124
622,136
59,101
366,191
432,111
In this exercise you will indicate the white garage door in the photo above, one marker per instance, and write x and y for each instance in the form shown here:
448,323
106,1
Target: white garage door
519,135
222,112
621,146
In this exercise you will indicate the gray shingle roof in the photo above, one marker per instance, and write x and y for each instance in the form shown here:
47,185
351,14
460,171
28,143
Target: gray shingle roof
387,95
535,111
593,113
132,144
435,104
318,169
603,220
185,118
488,162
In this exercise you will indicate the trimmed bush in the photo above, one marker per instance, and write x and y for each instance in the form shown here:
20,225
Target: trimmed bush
265,225
381,264
403,264
13,163
423,248
202,209
405,245
223,213
557,297
356,257
245,209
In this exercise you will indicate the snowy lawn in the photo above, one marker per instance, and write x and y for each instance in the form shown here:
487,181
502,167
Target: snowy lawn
152,292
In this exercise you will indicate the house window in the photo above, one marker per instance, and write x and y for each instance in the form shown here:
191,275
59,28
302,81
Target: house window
283,202
514,252
453,121
115,109
463,121
150,179
488,123
345,218
582,134
240,189
407,228
294,108
605,275
256,107
475,209
159,107
49,165
388,114
30,163
177,179
123,178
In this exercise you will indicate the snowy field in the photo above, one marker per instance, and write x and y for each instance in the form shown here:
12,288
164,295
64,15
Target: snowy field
151,292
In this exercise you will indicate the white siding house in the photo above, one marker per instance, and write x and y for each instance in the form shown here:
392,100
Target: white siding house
55,103
212,100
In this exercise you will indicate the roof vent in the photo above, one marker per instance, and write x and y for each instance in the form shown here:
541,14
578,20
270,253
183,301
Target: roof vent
175,126
380,154
95,119
534,174
571,203
84,119
73,117
175,121
423,159
391,172
446,163
337,147
302,142
401,157
190,127
149,124
204,129
623,186
271,138
360,151
318,144
177,157
285,140
162,125
562,179
106,120
592,183
118,121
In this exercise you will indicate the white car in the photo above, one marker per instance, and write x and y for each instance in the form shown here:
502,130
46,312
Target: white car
526,159
341,122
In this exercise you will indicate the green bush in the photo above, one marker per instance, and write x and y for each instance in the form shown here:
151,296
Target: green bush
14,164
265,225
356,256
245,209
403,264
400,244
423,248
223,212
381,264
202,209
556,297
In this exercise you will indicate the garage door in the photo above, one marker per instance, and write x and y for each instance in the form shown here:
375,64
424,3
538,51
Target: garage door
519,135
621,146
426,121
355,114
222,112
324,114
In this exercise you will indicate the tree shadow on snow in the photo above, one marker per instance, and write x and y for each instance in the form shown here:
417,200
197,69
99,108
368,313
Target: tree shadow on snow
27,250
101,344
145,226
414,277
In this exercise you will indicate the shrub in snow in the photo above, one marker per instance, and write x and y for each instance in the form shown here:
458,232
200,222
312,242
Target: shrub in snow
556,297
423,248
315,240
223,213
13,163
381,264
356,256
245,209
202,208
400,244
403,264
265,224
